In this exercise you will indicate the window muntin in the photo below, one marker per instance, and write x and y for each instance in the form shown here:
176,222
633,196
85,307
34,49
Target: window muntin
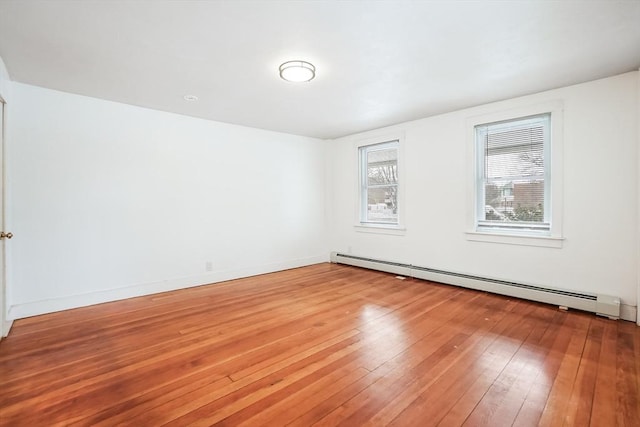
513,180
379,183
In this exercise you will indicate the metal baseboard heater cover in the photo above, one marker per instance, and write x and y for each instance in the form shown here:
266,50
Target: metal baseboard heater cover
602,305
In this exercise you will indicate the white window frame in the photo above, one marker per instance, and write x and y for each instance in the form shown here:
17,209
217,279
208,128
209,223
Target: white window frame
361,148
542,229
553,158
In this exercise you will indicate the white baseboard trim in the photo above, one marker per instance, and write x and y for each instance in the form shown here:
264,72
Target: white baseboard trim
34,308
6,327
628,312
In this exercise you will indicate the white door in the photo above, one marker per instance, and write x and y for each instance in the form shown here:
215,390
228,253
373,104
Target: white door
3,235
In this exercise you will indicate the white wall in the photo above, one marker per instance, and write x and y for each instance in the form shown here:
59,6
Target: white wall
111,201
600,200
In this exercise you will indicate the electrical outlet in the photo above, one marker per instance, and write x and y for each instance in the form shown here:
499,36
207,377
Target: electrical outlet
208,266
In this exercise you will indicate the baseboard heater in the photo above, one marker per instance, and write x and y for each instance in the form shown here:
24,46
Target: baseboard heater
602,305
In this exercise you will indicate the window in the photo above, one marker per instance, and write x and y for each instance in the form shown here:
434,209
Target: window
379,183
513,176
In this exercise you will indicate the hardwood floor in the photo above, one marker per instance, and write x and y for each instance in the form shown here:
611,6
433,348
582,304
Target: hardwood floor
322,345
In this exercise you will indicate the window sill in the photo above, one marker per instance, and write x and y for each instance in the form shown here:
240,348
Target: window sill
394,230
512,239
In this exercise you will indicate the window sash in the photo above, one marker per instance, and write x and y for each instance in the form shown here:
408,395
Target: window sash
530,135
366,185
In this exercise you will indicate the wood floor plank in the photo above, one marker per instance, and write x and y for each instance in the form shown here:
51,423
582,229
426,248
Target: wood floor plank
435,400
559,333
220,335
603,411
191,391
558,399
413,360
320,345
288,407
99,342
473,330
628,395
581,400
365,350
212,355
502,401
497,358
249,390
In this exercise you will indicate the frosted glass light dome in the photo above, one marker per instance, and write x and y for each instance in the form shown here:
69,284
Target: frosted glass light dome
297,71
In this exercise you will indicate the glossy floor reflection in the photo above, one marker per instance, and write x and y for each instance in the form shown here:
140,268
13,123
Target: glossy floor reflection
321,345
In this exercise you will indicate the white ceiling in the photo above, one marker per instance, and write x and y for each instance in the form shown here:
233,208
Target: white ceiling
378,63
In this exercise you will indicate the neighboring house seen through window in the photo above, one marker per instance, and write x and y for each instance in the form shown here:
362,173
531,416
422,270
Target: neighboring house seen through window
513,176
379,183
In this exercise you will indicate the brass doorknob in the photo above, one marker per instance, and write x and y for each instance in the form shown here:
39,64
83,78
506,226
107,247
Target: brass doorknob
4,235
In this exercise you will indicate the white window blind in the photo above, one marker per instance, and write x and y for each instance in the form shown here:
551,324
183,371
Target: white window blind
513,175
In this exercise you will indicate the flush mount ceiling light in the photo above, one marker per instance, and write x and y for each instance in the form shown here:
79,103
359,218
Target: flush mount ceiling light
297,71
190,98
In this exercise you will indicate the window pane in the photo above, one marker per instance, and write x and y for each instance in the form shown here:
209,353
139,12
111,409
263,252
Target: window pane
382,167
382,204
514,201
